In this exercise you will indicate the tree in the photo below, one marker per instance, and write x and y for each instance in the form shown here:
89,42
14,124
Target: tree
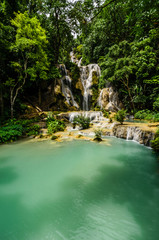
31,58
58,26
133,70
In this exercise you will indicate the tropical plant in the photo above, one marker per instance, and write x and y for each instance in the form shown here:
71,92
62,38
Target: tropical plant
83,122
54,125
155,142
98,135
120,115
14,129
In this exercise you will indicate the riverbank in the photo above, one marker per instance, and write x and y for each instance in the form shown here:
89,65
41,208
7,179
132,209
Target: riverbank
139,132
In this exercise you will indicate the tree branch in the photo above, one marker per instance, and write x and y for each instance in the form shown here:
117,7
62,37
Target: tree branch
101,8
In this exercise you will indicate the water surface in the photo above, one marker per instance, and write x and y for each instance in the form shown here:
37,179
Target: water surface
78,191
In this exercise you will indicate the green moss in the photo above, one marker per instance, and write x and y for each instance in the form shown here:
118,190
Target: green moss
95,78
95,91
155,142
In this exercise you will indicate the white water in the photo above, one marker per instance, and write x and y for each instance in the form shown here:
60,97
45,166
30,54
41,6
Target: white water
134,133
86,75
86,79
100,99
94,116
66,87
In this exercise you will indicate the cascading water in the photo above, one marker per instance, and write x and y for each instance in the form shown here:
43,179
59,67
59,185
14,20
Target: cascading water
86,76
66,87
134,133
86,79
100,99
93,116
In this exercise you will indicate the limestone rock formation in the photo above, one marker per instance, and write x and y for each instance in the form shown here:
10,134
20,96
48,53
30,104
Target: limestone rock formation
133,133
109,100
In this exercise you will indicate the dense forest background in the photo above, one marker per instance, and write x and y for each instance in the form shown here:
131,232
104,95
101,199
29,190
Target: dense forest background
37,35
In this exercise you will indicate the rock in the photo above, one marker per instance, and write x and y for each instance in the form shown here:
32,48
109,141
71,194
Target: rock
108,99
133,133
57,89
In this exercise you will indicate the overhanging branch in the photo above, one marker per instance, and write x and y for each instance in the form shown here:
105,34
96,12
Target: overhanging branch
101,8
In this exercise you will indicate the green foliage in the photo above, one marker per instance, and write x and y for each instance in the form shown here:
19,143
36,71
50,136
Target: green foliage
141,114
10,133
32,130
131,67
74,72
78,51
14,129
120,115
105,113
98,135
147,115
31,42
155,142
83,122
123,37
54,125
156,104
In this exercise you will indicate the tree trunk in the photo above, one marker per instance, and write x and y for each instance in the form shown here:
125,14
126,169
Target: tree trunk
11,103
12,109
126,84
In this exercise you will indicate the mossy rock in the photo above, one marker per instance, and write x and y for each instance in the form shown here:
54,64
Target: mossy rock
54,137
95,78
97,139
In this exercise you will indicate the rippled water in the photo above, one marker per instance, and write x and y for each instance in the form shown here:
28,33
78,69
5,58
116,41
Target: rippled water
78,191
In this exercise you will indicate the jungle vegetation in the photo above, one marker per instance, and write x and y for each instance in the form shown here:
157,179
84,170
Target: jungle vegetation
121,36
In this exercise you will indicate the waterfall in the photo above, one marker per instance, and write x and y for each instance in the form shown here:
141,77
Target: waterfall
86,79
66,87
134,133
86,76
93,116
100,99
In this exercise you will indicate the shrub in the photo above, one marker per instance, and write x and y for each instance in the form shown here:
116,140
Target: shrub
156,117
33,130
98,135
120,115
13,129
141,114
156,104
54,125
155,142
10,133
105,113
147,115
83,122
